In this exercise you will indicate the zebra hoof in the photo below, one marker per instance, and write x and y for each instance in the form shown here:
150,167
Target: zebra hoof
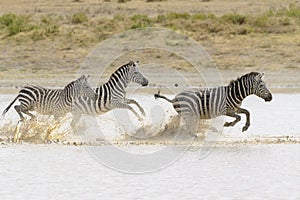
245,128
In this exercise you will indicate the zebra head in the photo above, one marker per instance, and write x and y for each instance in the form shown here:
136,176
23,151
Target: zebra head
260,89
134,75
80,87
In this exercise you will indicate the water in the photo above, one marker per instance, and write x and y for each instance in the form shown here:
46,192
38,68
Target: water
230,170
275,119
69,172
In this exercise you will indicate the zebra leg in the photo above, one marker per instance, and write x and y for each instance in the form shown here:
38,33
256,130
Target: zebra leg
21,110
126,106
134,112
17,133
231,113
132,101
246,112
32,116
190,124
75,119
18,108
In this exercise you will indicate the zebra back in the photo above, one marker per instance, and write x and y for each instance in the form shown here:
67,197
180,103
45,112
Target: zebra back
78,88
211,102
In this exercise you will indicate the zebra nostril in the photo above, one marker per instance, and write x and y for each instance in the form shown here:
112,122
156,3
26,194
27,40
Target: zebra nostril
145,83
269,98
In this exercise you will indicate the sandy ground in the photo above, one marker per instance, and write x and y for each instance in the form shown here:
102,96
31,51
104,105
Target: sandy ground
107,9
55,62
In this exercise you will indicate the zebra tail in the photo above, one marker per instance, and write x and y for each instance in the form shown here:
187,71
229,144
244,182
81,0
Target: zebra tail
163,97
8,107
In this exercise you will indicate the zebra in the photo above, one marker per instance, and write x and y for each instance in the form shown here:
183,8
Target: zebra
56,102
207,103
111,94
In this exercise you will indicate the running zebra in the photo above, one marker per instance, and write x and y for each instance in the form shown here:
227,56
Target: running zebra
111,94
57,102
207,103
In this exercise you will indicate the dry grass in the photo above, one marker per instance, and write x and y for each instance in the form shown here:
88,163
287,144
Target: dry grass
237,36
284,20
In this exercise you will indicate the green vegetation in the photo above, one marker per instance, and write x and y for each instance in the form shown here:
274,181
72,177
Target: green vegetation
15,24
79,18
284,20
234,19
140,21
122,1
173,15
154,0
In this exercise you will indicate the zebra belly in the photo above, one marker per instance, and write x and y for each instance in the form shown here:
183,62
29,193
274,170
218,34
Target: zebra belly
203,114
49,109
88,106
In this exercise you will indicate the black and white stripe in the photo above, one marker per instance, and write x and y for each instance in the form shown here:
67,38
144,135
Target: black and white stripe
111,94
46,101
207,103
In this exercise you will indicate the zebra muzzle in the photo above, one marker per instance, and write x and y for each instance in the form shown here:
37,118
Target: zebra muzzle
269,98
145,82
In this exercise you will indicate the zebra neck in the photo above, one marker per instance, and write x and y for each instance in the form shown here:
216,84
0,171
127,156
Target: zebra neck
238,90
118,85
67,94
234,95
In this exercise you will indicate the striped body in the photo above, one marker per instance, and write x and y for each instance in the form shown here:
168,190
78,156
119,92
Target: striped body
101,104
207,103
111,94
55,102
42,100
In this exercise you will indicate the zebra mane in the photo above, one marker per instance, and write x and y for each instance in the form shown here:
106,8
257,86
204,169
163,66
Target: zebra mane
70,85
251,74
123,68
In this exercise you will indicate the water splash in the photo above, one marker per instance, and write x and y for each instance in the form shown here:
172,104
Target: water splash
41,130
46,130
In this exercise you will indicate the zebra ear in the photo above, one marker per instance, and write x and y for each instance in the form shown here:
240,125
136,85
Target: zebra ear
84,78
260,75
